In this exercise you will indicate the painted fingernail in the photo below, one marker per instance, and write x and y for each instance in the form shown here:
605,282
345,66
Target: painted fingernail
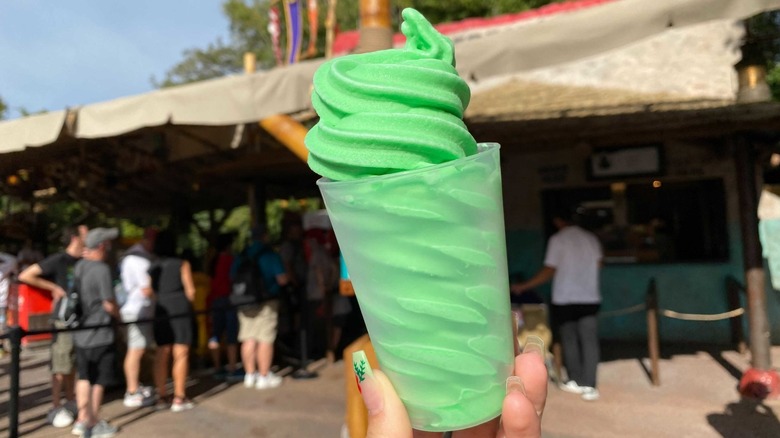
514,384
534,344
367,384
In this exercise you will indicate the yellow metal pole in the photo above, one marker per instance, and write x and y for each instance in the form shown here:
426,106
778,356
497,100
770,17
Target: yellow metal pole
289,132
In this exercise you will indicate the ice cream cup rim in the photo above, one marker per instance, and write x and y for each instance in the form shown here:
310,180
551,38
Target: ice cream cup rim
481,147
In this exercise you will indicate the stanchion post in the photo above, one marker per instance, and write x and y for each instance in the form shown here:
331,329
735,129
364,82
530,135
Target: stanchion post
732,296
652,332
16,334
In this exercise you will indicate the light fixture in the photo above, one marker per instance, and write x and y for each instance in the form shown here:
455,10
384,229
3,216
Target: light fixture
656,184
751,76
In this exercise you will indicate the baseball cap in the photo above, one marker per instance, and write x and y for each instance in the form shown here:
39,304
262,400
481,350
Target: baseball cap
96,236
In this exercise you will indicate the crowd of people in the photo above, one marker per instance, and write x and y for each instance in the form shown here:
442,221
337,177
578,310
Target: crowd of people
151,291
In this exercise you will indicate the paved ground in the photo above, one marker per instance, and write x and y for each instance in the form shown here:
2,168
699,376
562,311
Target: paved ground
697,398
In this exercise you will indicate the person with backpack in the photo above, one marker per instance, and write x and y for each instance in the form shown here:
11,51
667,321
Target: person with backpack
96,349
258,320
55,274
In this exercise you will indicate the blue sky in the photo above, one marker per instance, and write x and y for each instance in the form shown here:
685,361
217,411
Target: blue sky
56,54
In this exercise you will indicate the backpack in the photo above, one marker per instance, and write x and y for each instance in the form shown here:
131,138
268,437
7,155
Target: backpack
68,310
248,286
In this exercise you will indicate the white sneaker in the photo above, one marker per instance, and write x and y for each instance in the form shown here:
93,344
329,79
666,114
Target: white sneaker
63,418
268,381
572,387
250,380
141,397
590,393
78,429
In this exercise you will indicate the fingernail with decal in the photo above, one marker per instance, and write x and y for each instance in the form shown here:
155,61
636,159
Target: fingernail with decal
535,344
367,384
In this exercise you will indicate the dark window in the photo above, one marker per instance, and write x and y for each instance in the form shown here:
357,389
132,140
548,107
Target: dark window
653,222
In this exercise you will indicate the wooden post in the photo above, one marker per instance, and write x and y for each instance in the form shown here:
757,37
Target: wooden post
558,361
751,253
760,381
653,341
375,30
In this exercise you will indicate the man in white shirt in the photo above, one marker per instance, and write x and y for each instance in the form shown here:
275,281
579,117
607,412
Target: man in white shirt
134,272
572,262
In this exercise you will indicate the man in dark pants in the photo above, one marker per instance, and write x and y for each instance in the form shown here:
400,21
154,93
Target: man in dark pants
572,262
95,348
55,274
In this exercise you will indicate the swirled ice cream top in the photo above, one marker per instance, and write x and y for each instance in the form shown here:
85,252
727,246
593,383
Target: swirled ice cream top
391,110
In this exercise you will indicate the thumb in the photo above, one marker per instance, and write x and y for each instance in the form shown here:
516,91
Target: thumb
387,417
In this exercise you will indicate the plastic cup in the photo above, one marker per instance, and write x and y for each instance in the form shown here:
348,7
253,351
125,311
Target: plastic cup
426,253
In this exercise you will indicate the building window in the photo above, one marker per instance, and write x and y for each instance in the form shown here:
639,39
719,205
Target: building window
650,222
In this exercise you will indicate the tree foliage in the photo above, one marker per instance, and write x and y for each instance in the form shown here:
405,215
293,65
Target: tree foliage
249,32
3,109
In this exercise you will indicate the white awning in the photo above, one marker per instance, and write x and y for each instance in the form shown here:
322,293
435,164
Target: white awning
31,131
217,102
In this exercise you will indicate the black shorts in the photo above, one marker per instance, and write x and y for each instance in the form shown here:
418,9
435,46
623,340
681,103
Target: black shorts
96,364
178,330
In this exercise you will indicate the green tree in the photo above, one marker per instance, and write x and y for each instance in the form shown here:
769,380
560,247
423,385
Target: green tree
249,23
762,44
3,109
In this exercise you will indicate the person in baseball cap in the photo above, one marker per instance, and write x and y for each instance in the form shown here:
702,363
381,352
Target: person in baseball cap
96,236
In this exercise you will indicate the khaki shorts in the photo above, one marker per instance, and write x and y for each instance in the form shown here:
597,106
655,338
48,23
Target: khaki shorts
63,354
258,323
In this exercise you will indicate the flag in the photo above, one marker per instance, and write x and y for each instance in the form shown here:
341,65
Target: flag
275,31
314,13
292,13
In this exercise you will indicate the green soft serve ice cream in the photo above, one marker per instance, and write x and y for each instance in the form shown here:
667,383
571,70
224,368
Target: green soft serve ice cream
417,208
392,110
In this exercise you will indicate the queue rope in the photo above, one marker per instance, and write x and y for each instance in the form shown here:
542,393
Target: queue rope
628,310
676,315
698,317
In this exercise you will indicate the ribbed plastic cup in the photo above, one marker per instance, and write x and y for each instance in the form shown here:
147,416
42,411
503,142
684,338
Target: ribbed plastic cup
426,253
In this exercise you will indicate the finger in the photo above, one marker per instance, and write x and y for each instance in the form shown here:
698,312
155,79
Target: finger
530,367
387,417
518,416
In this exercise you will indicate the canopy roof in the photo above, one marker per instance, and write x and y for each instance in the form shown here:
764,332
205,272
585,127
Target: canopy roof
199,143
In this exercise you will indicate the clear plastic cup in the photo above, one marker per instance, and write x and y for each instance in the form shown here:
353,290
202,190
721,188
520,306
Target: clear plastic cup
426,253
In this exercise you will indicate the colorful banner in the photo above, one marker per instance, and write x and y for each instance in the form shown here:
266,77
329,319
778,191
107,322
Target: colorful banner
275,31
314,15
292,14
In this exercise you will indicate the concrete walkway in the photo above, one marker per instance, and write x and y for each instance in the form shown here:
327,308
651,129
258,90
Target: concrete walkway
697,398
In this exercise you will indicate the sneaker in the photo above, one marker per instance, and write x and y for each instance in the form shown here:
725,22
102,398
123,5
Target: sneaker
268,381
79,428
63,418
235,376
141,397
250,380
571,386
181,404
51,414
100,430
162,403
590,393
